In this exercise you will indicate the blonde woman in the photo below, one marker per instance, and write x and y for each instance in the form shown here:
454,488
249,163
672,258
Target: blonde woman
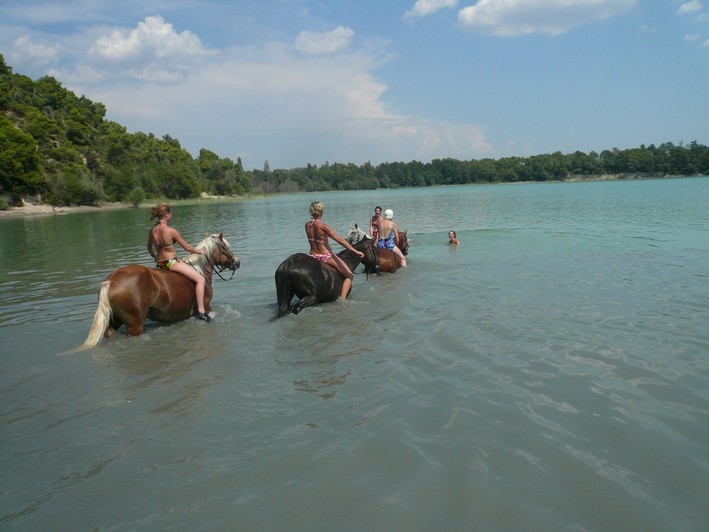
318,233
161,246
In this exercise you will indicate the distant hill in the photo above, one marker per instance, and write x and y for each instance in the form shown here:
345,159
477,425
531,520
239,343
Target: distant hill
59,148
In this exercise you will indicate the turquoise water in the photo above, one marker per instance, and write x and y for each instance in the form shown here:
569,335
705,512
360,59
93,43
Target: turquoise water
552,372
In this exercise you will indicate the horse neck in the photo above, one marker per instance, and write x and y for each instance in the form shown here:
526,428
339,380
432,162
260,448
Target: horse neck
352,260
207,270
349,258
202,265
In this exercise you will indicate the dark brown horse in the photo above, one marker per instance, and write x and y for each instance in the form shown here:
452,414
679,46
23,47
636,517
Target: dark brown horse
388,261
314,282
133,293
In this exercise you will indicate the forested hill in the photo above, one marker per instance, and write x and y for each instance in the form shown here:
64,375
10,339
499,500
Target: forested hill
60,149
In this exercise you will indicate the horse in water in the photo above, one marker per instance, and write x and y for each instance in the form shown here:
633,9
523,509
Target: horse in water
133,293
314,282
388,261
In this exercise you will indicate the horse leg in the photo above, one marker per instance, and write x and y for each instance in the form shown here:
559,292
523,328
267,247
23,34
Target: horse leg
307,287
130,308
136,329
307,301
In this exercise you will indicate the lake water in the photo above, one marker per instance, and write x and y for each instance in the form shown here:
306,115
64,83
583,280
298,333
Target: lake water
551,373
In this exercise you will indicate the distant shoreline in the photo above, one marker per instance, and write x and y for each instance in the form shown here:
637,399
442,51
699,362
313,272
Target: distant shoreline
34,209
30,209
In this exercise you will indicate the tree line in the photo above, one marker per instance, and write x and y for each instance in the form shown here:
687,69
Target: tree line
59,148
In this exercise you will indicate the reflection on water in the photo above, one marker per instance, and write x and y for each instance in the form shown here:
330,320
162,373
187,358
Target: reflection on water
551,372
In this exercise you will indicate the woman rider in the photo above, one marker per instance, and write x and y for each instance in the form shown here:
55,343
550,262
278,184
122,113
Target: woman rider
374,223
317,233
389,228
161,246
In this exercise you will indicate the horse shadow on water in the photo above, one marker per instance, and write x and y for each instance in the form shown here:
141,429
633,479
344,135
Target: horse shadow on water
134,293
314,282
388,261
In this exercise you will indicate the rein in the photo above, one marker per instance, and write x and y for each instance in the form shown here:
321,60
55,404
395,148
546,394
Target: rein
218,268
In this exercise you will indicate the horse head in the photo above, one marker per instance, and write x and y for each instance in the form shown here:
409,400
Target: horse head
371,254
217,252
355,235
403,242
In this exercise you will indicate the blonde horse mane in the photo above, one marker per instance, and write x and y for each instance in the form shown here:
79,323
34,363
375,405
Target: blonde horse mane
208,244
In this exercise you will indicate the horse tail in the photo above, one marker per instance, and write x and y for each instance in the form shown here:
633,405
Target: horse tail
284,291
101,318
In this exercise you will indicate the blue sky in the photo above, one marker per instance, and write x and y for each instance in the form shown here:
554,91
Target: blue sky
309,81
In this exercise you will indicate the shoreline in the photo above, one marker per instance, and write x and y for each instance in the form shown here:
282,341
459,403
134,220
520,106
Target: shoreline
35,209
30,209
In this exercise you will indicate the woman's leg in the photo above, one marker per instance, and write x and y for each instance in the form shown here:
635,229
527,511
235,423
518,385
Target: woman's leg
193,275
402,259
346,273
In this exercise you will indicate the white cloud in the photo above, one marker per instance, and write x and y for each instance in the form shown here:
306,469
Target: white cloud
691,38
694,5
523,17
310,42
423,8
705,43
324,104
154,38
25,50
152,51
291,103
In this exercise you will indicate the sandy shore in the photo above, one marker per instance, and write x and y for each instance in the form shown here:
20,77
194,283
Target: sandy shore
33,209
29,209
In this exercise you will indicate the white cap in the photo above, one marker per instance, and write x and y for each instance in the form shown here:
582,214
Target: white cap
388,214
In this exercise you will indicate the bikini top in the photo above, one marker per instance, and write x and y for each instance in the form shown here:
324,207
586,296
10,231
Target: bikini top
161,246
314,240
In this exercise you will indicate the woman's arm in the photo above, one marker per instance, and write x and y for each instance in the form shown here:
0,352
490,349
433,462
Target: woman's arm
178,238
151,243
337,238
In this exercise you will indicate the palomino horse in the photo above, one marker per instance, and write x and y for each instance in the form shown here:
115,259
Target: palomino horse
388,261
314,282
133,293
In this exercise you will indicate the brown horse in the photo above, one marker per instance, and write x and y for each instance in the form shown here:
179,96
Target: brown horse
388,261
133,293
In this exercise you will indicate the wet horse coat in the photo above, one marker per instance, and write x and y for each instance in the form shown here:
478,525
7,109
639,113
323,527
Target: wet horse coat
388,261
314,282
134,293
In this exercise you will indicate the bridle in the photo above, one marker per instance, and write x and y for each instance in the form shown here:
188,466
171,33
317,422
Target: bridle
371,249
405,246
219,268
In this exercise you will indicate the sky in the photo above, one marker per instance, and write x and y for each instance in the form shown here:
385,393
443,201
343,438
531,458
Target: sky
298,82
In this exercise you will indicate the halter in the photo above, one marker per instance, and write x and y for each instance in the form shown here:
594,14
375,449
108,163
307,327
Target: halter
367,267
218,268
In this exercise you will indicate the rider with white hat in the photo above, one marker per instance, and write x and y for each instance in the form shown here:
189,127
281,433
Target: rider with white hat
391,230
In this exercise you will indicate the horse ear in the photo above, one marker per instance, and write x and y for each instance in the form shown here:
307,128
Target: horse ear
356,226
221,236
